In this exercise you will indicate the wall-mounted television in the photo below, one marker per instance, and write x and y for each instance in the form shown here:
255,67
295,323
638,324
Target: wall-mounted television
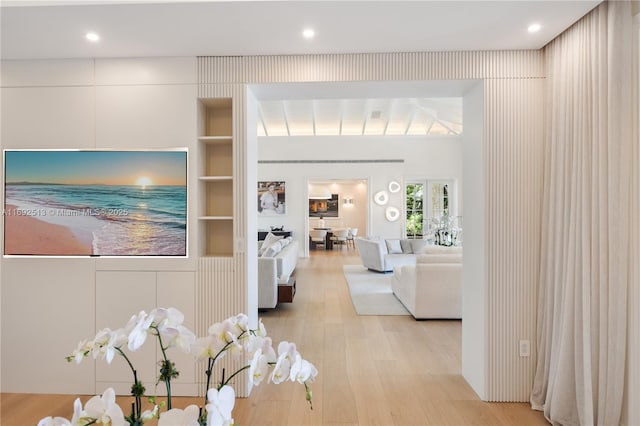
324,208
95,202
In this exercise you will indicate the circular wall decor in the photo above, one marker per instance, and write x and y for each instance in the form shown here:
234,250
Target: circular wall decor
392,214
394,186
381,198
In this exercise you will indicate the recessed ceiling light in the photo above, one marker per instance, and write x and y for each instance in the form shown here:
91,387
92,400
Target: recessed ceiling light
534,28
308,33
92,37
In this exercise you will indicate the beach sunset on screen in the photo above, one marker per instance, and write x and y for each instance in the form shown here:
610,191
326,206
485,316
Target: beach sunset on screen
93,202
96,167
144,181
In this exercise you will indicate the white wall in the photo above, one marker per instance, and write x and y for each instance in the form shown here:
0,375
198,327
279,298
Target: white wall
474,290
51,304
428,157
353,215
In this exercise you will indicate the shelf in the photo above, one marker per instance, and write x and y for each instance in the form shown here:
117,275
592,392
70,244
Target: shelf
219,237
215,139
218,159
215,178
215,218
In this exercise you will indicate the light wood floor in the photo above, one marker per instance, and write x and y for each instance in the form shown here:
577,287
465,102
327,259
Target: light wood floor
374,370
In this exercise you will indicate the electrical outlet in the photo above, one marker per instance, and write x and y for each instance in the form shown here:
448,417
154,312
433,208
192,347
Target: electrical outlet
525,348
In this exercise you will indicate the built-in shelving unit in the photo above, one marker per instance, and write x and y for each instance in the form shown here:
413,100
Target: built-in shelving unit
216,177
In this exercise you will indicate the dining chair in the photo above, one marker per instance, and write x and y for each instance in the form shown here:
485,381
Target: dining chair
351,238
318,237
340,237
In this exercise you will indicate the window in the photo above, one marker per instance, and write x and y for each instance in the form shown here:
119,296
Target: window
427,202
414,212
439,199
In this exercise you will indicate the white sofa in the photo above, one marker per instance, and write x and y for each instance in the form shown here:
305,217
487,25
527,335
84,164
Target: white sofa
275,269
382,255
432,288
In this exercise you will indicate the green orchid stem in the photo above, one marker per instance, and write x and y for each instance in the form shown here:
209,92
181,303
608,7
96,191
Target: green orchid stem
135,414
225,382
212,362
209,372
167,366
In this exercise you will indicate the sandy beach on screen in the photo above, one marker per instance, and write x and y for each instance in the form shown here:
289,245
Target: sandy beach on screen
27,235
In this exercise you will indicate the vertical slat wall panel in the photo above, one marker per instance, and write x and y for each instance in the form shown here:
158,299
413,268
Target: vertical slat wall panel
514,156
371,67
632,415
221,287
513,163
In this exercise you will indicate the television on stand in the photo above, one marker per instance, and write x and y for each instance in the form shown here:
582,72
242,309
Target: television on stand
112,203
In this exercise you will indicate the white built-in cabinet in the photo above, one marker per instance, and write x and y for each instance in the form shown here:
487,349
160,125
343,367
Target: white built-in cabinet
215,142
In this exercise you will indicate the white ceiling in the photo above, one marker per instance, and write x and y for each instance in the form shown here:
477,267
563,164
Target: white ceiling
43,29
55,29
361,117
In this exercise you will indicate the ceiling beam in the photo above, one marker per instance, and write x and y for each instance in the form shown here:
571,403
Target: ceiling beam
284,116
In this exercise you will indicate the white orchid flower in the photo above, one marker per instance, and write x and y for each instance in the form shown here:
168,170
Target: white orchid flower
177,417
140,331
220,406
258,368
288,350
261,331
99,341
54,421
159,315
281,370
84,347
223,333
104,409
150,414
117,339
302,371
106,342
78,412
184,339
204,347
263,343
240,323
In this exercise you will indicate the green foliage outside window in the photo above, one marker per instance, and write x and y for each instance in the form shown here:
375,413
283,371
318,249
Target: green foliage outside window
414,210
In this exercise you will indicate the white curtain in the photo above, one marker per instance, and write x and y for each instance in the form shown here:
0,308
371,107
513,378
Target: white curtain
585,262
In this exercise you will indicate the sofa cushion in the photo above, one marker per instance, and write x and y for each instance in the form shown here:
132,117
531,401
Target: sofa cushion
394,247
439,258
407,247
268,241
441,250
418,245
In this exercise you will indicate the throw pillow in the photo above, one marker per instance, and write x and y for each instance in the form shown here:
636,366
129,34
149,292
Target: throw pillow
272,250
393,247
268,240
407,247
285,242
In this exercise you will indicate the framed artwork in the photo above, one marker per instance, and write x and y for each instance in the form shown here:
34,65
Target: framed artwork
324,208
271,198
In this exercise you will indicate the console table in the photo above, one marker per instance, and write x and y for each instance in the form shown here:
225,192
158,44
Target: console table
263,234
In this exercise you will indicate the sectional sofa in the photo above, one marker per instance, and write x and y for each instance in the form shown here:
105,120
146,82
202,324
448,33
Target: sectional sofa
432,288
382,255
276,263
